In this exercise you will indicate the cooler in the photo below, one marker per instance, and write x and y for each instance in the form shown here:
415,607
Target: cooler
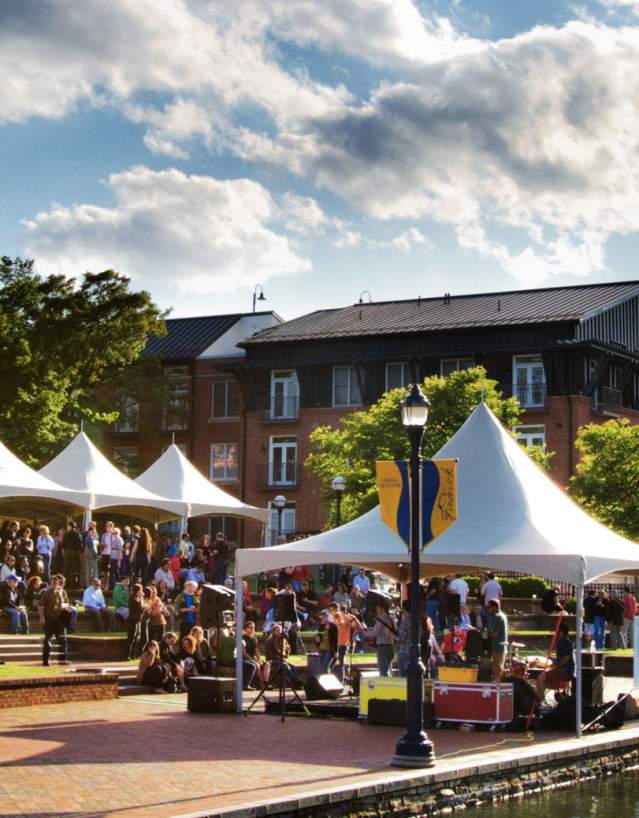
480,703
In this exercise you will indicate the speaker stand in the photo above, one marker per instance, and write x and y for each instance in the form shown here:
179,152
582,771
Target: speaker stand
280,677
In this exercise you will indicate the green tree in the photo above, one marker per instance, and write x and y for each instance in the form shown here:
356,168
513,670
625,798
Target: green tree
377,434
61,342
607,478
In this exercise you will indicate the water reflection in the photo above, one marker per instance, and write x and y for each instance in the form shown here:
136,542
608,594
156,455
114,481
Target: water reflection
616,795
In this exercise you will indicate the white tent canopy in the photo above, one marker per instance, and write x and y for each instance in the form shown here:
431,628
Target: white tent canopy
83,467
22,488
173,475
511,516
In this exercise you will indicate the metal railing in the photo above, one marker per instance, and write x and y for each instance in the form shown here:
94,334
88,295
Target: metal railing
278,474
609,399
529,395
278,409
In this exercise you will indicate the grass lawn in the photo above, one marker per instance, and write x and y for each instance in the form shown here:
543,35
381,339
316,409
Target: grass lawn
21,672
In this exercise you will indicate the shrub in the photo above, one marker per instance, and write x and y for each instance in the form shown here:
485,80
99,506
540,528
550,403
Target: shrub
519,587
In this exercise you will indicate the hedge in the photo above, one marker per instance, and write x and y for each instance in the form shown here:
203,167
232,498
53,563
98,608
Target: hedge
521,587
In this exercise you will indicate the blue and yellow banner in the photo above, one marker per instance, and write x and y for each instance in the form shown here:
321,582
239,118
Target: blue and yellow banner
438,493
439,498
394,496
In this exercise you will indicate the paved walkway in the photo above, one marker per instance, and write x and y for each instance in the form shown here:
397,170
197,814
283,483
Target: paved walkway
147,756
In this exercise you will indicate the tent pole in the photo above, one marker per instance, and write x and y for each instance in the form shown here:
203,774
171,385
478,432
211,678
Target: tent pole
239,645
578,662
86,520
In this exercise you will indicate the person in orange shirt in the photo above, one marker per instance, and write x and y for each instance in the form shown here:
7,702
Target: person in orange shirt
347,627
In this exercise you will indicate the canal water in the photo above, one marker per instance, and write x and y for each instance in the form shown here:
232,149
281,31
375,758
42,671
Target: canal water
615,795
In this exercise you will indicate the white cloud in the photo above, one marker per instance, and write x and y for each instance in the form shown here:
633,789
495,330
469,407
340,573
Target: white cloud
538,133
195,234
302,214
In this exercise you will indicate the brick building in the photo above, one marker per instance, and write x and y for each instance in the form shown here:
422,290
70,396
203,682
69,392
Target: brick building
569,354
205,418
251,388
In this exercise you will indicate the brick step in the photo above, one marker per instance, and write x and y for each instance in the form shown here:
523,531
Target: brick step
20,648
134,690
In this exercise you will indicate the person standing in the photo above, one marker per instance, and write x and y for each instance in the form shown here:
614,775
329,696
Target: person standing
629,613
71,544
141,556
136,608
614,617
362,582
89,556
117,552
44,547
105,552
221,553
491,589
384,633
600,620
589,617
498,627
55,615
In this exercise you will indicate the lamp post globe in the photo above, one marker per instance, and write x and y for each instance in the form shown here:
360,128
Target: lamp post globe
280,504
413,748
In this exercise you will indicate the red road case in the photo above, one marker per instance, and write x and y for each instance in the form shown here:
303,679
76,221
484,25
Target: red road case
473,703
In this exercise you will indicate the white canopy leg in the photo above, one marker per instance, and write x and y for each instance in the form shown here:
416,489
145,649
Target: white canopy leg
578,662
86,520
239,645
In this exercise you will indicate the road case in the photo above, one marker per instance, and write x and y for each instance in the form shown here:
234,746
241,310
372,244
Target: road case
210,694
385,688
479,703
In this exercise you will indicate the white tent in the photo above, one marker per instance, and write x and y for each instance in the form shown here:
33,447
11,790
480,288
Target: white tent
173,475
24,490
83,467
511,516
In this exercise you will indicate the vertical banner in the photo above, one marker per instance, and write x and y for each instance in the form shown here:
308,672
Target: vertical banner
394,496
439,498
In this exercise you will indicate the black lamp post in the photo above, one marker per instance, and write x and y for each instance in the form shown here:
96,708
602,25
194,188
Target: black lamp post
280,504
413,748
338,484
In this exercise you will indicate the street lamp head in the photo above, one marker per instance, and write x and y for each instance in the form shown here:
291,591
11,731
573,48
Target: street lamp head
415,408
280,501
338,484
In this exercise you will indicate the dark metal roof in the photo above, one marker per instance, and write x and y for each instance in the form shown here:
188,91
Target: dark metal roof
518,307
189,337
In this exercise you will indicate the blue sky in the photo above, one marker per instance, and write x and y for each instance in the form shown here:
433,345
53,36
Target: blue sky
321,148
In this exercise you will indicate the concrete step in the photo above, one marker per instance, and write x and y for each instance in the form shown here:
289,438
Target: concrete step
134,690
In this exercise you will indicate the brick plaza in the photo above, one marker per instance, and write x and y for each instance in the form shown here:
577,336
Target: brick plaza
147,756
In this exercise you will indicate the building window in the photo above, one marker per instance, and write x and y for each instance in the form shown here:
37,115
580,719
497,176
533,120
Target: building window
288,523
183,447
282,468
225,400
225,525
529,380
129,419
531,435
285,394
127,459
176,413
346,389
449,365
397,376
224,461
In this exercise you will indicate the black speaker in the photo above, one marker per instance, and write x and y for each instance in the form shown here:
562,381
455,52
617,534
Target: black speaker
375,598
284,608
473,646
208,694
215,600
592,680
325,686
392,712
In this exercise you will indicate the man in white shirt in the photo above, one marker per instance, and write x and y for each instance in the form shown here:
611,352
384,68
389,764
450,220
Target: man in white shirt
491,590
362,581
94,602
459,586
164,573
105,551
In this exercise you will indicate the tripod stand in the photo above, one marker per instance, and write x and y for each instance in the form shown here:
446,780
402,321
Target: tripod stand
279,673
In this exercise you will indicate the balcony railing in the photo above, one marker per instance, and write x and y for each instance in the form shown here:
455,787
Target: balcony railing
278,474
279,409
529,395
607,399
